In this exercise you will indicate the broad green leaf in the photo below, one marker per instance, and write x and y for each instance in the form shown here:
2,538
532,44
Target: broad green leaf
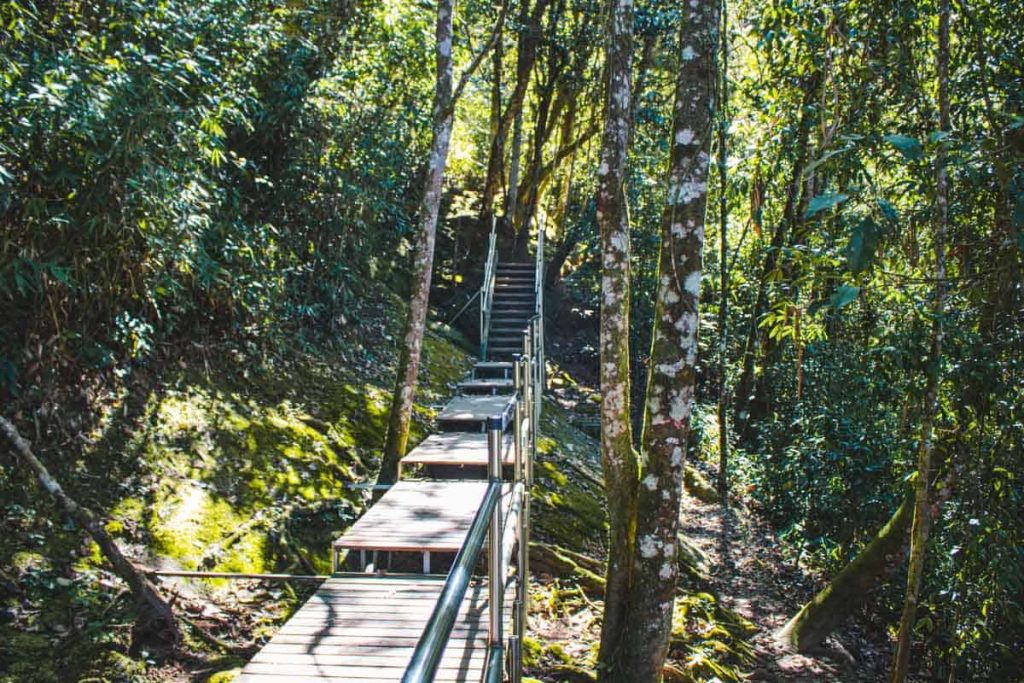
861,248
824,201
909,147
888,210
844,295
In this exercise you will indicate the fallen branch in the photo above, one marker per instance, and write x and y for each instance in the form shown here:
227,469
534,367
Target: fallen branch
155,626
247,650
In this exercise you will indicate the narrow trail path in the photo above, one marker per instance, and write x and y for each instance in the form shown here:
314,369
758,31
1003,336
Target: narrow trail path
751,576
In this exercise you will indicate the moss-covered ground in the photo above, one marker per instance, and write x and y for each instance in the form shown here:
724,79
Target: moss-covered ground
226,460
217,461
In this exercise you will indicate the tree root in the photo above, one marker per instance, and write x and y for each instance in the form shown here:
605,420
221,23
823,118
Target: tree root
560,562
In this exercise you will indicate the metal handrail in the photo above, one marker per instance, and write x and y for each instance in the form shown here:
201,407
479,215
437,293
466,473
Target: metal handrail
432,643
524,414
538,294
487,288
487,522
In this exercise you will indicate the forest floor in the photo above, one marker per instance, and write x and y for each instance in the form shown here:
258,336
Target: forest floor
753,577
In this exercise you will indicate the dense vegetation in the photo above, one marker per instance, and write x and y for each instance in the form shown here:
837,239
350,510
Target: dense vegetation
228,180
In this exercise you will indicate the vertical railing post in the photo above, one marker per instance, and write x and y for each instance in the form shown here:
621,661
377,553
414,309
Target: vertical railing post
487,288
496,582
520,408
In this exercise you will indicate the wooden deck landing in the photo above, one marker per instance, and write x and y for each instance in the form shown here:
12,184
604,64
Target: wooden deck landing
458,449
475,409
418,516
365,629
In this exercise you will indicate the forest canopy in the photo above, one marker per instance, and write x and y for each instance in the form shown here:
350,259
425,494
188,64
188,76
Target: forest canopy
247,175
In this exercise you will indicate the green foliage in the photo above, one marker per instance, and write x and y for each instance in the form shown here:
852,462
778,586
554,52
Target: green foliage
178,167
823,202
909,147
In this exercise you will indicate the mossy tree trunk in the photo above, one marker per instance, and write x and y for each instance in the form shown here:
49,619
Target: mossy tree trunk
671,380
415,323
922,505
618,458
851,586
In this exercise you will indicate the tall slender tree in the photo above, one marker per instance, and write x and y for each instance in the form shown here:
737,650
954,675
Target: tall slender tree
423,265
618,458
926,446
723,254
671,382
644,493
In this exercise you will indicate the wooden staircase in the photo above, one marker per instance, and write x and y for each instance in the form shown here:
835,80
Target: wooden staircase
387,614
514,305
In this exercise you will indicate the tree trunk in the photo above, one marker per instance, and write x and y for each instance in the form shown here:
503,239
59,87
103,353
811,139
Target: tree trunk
540,134
415,324
618,458
671,381
155,626
922,509
529,23
514,163
550,100
723,259
851,586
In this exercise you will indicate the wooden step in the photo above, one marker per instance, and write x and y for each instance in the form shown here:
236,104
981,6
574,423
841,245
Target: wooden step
503,297
492,369
518,329
417,516
506,352
470,413
460,449
500,305
498,339
487,385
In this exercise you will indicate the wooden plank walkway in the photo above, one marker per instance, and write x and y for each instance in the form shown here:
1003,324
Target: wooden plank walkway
365,629
486,385
462,449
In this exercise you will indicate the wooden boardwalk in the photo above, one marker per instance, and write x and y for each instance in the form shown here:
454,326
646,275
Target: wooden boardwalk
365,629
376,626
469,413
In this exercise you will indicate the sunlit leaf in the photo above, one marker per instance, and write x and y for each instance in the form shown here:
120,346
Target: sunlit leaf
909,147
823,202
844,295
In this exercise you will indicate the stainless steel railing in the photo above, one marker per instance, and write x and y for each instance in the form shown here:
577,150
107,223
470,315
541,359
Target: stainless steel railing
486,525
504,655
487,289
538,297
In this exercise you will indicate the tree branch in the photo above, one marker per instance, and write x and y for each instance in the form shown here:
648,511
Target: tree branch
478,58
